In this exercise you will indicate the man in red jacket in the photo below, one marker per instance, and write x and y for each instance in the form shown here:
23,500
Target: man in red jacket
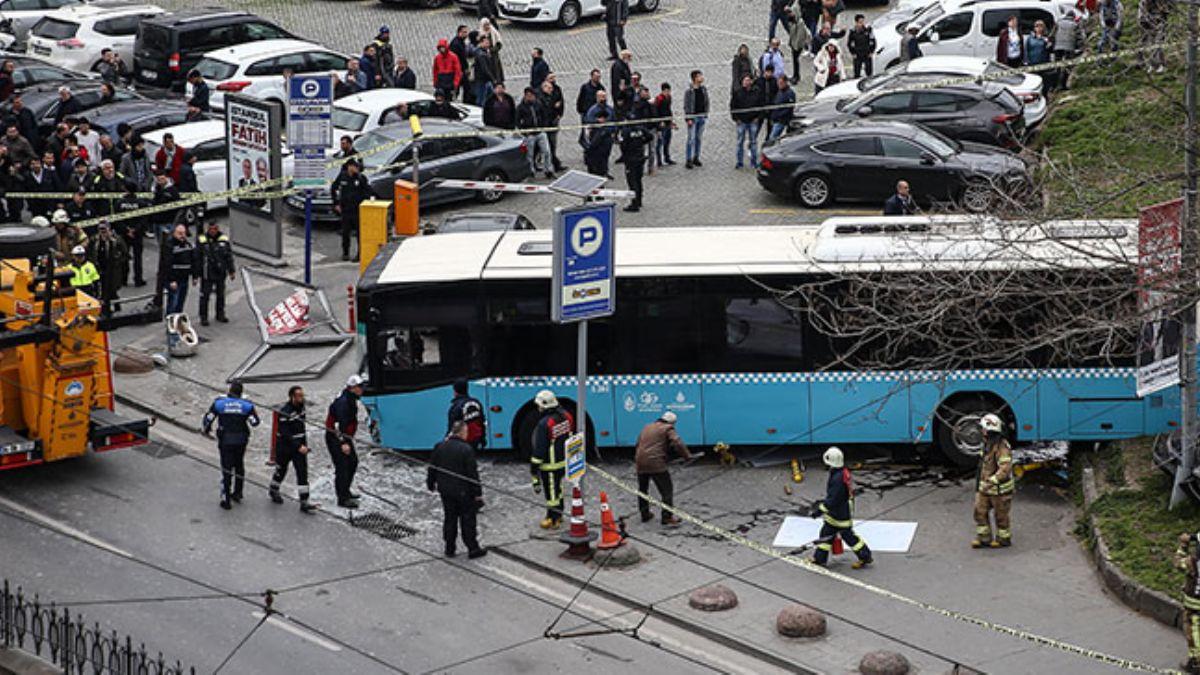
447,71
169,157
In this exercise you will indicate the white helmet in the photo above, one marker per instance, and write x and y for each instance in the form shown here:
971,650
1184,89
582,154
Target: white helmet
355,380
991,423
39,221
545,400
60,216
668,417
79,250
833,458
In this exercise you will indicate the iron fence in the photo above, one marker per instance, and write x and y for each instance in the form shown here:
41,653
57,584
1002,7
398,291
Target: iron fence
66,640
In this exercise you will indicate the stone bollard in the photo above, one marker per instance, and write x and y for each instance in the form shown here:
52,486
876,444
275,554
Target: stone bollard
713,598
627,555
883,662
800,621
131,362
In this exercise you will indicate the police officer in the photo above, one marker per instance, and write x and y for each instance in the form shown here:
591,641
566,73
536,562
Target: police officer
454,474
994,486
291,447
84,276
341,422
549,462
1187,559
349,190
468,410
133,230
837,509
177,266
216,264
234,416
633,149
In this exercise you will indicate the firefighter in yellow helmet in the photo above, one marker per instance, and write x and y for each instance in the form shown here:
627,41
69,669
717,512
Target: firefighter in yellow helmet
1187,558
994,486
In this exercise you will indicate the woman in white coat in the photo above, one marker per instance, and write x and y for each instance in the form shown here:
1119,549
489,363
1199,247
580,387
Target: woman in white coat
829,67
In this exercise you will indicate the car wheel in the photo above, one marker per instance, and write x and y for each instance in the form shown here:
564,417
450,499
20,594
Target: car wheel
814,191
978,197
492,196
568,15
648,5
25,241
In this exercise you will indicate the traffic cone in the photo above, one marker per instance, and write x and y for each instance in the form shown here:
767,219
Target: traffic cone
578,538
837,545
610,536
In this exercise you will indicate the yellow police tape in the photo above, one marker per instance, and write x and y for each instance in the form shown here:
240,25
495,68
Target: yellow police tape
256,191
807,565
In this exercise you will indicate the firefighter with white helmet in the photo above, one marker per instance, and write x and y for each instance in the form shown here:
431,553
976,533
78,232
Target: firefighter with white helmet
837,509
84,276
994,486
548,463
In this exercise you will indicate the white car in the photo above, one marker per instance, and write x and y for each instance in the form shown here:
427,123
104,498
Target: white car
18,16
73,37
355,115
962,27
206,141
257,68
565,13
1027,87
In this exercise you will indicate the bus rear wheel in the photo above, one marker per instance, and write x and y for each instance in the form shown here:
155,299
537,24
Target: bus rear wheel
959,437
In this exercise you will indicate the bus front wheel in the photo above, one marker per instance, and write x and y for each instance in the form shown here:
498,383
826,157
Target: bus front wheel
959,436
527,421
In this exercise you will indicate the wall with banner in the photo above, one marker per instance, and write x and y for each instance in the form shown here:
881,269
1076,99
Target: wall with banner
1159,251
255,161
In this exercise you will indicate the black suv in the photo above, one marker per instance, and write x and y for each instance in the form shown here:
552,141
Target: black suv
169,45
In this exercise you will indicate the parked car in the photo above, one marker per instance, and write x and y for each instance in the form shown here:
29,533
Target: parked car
862,160
18,16
169,45
360,113
31,71
493,158
256,68
1027,87
73,36
206,141
43,101
481,221
424,4
141,114
986,113
963,27
565,13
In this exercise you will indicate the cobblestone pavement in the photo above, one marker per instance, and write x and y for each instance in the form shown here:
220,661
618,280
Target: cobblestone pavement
667,45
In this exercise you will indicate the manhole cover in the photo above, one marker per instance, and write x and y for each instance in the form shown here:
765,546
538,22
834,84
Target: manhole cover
381,525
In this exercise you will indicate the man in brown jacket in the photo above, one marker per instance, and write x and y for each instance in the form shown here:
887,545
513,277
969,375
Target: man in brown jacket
654,447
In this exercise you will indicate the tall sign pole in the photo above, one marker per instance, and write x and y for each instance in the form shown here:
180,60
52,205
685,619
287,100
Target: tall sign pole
310,134
583,287
1187,457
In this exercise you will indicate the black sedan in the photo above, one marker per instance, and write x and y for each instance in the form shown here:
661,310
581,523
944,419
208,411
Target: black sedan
32,71
448,150
987,113
43,101
140,114
862,160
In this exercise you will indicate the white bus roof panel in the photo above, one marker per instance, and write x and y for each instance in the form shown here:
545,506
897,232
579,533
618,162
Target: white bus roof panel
444,257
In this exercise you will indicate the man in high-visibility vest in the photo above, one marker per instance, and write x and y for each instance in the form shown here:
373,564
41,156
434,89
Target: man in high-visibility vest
994,486
549,461
837,510
1187,558
84,276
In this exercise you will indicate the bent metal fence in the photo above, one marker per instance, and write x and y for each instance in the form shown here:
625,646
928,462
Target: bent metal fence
65,640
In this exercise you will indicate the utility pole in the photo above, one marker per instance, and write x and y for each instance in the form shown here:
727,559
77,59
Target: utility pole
1188,238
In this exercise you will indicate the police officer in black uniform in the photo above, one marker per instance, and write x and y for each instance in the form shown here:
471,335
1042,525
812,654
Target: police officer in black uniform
549,460
633,148
291,447
454,474
133,230
349,190
216,264
341,423
234,416
468,410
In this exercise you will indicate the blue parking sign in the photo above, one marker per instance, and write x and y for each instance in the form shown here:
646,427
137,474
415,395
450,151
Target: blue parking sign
584,245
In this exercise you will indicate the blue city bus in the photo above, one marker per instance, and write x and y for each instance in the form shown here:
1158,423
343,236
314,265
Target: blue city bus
700,330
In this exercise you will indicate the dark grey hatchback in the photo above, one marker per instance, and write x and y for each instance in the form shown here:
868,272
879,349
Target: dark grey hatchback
862,160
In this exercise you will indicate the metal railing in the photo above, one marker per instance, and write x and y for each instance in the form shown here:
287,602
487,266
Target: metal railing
65,640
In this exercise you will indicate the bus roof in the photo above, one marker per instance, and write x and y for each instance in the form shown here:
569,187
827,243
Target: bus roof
839,245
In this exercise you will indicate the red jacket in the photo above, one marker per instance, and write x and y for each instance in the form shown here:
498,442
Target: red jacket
160,161
1002,45
446,68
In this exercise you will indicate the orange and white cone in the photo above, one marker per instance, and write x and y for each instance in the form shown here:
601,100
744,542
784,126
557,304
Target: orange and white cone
610,536
578,537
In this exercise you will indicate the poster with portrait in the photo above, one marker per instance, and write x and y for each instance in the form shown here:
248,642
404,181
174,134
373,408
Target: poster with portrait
1159,249
254,163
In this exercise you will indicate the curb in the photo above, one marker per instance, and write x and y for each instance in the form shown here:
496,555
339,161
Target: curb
1158,606
16,662
723,638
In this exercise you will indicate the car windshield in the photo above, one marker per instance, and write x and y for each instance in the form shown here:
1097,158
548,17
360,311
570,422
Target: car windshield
936,143
350,120
372,147
215,69
997,72
55,29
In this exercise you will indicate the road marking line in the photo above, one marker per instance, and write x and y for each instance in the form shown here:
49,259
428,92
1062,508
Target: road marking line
299,632
62,527
598,26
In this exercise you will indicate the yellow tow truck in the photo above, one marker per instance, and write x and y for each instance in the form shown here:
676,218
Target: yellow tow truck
56,386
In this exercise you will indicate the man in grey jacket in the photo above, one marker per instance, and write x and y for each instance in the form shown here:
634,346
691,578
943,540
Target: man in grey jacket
616,13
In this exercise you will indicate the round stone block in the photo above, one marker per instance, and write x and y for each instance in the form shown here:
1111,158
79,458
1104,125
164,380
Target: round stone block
132,362
713,598
800,621
883,662
625,555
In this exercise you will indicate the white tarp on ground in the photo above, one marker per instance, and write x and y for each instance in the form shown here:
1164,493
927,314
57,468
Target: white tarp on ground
883,536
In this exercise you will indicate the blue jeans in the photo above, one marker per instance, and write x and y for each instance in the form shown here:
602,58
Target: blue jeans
747,135
775,18
1110,36
694,136
176,298
662,149
777,129
482,91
